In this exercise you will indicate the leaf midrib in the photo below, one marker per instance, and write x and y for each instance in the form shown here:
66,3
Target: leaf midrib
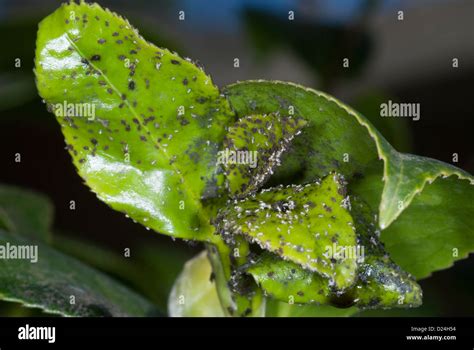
132,110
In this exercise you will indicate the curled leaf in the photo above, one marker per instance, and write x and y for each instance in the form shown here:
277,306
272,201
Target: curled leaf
380,284
253,147
289,282
299,223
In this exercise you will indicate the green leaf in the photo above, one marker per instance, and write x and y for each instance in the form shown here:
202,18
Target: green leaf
330,132
50,283
194,294
435,231
150,148
159,265
298,223
334,132
286,281
406,175
252,149
197,292
238,296
11,309
383,284
397,131
26,213
151,270
379,282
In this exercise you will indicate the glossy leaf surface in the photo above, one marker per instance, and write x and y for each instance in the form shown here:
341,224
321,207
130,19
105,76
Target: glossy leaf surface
142,124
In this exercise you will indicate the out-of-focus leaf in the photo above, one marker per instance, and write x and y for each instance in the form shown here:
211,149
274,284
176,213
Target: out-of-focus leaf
150,150
95,255
59,284
395,130
321,46
202,289
26,213
151,269
15,90
10,309
194,293
160,267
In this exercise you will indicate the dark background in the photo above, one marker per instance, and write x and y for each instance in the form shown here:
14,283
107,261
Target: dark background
405,61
